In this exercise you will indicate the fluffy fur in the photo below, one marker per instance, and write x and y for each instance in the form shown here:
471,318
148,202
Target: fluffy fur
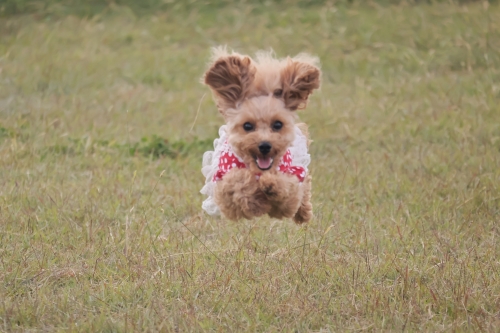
262,92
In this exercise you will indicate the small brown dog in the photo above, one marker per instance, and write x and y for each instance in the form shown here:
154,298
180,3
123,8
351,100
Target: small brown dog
260,161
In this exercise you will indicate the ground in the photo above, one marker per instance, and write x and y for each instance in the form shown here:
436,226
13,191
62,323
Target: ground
103,123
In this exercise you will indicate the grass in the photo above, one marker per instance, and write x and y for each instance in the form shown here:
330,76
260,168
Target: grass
101,227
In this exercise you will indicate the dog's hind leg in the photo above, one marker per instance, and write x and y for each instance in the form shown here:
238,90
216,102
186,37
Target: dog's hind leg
305,212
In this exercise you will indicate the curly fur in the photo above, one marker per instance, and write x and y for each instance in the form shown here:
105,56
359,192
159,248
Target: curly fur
262,92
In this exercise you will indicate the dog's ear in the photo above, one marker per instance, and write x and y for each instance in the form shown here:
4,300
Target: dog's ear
299,79
230,76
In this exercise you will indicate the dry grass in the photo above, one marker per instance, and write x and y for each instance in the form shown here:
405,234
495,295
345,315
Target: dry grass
406,166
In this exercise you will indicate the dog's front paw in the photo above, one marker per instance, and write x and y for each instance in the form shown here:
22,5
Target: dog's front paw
255,207
269,185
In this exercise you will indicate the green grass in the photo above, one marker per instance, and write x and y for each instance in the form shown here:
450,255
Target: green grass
101,141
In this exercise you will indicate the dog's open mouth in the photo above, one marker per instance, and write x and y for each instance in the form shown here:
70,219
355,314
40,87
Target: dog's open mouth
264,163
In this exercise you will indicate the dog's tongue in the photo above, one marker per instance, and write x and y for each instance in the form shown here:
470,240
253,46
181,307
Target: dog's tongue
264,162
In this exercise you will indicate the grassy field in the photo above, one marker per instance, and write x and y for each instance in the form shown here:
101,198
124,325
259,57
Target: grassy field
101,141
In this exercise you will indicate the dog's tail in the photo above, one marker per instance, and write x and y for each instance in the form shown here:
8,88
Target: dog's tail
305,130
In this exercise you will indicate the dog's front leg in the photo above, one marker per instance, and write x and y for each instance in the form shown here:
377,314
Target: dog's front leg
283,192
238,195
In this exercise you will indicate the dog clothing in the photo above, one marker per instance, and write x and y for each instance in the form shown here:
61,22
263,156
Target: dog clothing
218,162
229,160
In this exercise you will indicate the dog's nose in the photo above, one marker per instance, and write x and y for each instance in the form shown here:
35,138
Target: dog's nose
265,147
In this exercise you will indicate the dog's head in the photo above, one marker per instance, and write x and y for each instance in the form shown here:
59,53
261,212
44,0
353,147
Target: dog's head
258,99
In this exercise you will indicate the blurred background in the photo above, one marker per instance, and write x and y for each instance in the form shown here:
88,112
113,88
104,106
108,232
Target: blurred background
146,57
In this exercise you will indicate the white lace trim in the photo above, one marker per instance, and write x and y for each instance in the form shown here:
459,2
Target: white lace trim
298,150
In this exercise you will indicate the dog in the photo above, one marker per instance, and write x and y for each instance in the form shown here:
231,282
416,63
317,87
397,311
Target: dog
259,165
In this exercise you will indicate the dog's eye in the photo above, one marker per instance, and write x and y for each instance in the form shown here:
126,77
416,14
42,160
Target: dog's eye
247,127
277,125
277,93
